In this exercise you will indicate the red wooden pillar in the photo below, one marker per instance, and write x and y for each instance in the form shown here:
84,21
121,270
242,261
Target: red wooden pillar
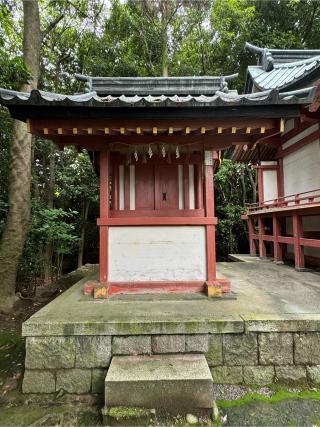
199,187
115,186
260,185
251,233
277,247
280,178
104,213
210,229
262,246
186,186
298,249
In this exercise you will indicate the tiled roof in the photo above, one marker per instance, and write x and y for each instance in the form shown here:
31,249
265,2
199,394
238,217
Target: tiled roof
91,99
283,69
201,85
284,75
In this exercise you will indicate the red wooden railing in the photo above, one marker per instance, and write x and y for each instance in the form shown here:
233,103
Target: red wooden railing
306,198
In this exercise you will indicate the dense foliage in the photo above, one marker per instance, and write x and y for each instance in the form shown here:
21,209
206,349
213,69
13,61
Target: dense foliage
130,38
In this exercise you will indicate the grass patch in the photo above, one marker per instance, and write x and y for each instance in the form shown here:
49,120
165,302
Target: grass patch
277,397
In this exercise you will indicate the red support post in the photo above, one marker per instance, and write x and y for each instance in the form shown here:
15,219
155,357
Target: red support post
251,233
199,187
104,213
280,178
260,186
186,186
277,247
298,249
262,246
115,187
210,229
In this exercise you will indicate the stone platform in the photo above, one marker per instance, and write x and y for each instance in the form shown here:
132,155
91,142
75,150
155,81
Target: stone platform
271,332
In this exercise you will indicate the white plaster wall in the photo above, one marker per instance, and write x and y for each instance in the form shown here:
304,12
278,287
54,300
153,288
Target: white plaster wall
270,185
301,169
289,125
301,135
157,253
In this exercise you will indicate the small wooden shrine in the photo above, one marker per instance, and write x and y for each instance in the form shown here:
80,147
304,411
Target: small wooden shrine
157,143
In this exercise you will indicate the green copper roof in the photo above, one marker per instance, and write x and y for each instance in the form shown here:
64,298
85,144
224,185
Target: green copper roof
282,69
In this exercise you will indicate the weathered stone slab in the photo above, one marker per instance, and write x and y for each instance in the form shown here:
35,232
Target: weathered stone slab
289,374
275,348
240,349
307,348
214,353
164,381
258,375
93,352
134,344
50,352
227,374
168,344
264,322
76,381
97,382
35,381
313,374
197,343
39,326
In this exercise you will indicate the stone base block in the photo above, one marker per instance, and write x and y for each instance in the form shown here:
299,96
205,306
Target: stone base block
177,383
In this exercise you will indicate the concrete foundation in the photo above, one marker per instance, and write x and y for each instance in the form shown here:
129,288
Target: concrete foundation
270,333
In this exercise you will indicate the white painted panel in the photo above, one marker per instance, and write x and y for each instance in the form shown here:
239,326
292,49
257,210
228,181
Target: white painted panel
301,169
269,163
121,187
180,177
157,253
289,125
270,185
301,135
132,188
192,202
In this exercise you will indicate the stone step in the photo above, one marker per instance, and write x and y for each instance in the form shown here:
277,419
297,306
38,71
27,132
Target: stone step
177,384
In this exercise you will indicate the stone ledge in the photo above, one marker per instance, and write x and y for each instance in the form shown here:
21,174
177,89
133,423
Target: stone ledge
307,322
42,327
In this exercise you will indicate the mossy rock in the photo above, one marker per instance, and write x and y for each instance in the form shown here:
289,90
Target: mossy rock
127,416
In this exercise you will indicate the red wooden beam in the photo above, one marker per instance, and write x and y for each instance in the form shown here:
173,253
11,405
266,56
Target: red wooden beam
132,221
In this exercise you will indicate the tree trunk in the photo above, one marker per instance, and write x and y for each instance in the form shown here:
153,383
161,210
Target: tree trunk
84,217
15,232
50,189
164,28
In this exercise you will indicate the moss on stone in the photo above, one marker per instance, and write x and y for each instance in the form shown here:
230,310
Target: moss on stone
125,413
277,397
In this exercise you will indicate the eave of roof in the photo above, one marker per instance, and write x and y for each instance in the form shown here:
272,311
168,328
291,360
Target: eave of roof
286,76
92,100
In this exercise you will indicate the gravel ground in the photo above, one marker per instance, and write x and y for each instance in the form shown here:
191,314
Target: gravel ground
234,392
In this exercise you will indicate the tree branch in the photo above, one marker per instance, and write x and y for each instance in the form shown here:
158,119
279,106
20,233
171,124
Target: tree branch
51,26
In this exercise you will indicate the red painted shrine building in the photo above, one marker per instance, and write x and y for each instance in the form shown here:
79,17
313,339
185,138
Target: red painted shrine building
157,143
285,223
